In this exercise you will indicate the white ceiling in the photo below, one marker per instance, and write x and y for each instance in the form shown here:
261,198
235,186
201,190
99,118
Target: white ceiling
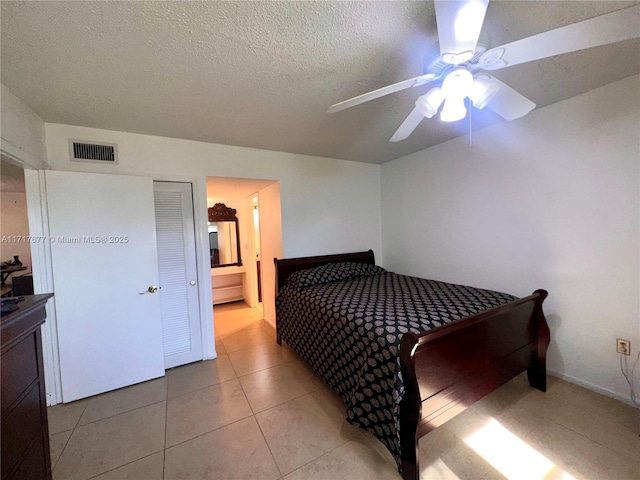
262,74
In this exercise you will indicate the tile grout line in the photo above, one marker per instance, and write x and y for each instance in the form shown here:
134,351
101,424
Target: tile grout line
117,414
208,432
535,413
227,352
81,415
123,465
164,443
71,435
113,416
266,442
286,401
202,388
63,448
253,413
263,369
573,431
166,400
268,342
232,367
268,447
252,325
327,453
588,438
107,418
291,360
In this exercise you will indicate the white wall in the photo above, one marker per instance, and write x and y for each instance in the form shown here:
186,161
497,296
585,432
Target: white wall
328,206
270,246
548,201
23,132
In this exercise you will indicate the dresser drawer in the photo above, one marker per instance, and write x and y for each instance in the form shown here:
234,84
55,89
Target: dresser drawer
24,443
19,370
20,427
33,465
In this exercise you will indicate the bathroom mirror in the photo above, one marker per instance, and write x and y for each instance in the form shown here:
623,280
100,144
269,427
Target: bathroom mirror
224,236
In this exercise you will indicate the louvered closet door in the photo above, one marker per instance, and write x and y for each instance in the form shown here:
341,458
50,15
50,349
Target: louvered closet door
181,332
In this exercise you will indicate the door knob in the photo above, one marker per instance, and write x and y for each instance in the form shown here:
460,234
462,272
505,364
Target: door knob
151,289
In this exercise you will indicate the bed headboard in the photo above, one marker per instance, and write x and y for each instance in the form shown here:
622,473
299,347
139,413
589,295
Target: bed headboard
288,266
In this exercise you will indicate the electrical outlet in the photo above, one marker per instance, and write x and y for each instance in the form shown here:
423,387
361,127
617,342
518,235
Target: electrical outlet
623,346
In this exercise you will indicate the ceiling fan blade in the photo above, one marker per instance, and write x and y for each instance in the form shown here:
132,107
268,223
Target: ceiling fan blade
408,126
609,28
508,103
381,92
459,24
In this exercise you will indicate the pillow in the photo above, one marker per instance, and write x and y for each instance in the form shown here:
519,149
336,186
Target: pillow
332,272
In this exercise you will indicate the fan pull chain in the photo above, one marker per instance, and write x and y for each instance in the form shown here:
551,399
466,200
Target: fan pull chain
470,125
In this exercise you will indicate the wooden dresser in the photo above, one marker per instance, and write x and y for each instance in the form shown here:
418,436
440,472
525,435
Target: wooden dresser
25,433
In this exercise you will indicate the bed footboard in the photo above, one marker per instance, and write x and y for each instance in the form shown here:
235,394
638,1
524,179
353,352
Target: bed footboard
447,369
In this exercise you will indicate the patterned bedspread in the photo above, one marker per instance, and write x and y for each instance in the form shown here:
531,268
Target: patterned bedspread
349,331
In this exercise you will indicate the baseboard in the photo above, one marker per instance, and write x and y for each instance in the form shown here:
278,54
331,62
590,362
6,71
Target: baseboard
608,393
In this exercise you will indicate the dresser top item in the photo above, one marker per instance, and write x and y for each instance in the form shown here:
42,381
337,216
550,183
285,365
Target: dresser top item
29,315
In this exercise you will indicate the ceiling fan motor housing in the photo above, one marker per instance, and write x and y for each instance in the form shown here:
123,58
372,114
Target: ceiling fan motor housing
434,63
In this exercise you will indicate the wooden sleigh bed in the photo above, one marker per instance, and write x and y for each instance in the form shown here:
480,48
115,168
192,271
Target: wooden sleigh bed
445,369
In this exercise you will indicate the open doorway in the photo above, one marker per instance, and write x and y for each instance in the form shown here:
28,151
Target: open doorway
242,288
17,277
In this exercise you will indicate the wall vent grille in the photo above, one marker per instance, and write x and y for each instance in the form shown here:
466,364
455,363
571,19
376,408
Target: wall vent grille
93,152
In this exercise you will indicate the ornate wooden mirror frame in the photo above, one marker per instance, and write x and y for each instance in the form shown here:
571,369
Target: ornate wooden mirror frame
221,213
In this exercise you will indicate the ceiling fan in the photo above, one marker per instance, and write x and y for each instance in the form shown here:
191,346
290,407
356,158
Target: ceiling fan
458,72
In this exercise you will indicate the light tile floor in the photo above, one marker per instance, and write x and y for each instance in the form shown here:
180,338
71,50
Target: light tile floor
258,412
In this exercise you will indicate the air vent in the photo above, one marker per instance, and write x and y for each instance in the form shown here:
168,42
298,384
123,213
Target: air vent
80,151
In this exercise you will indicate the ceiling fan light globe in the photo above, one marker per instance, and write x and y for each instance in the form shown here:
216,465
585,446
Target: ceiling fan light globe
457,83
453,110
429,103
482,92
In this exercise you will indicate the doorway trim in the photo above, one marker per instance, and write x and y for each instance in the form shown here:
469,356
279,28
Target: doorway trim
42,268
41,264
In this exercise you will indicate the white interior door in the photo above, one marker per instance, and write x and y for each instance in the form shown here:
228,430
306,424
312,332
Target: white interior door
103,247
182,339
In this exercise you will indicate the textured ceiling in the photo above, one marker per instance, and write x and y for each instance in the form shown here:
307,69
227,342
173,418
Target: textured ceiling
262,74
